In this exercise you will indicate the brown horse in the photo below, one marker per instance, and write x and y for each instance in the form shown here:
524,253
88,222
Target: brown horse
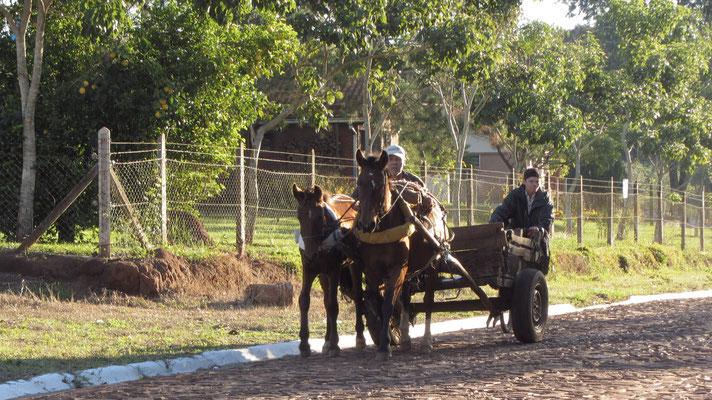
389,256
320,215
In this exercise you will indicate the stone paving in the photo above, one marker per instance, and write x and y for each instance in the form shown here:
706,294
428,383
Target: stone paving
655,350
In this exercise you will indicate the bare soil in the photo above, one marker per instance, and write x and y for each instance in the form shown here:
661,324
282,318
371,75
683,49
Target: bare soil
656,350
162,274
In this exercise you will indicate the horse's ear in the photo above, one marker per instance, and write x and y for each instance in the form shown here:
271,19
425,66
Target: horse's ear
360,158
383,160
318,192
297,192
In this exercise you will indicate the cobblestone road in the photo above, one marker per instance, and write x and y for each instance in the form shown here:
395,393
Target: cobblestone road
660,350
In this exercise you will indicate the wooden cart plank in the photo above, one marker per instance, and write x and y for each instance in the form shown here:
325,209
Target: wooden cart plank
461,305
487,236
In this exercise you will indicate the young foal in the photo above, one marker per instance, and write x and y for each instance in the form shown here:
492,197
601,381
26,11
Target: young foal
389,260
319,215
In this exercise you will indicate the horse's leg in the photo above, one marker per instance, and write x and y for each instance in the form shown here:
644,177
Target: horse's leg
428,299
324,280
384,338
331,304
393,289
304,299
405,343
357,294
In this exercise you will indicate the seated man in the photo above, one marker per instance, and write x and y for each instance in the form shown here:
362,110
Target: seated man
396,161
527,207
415,192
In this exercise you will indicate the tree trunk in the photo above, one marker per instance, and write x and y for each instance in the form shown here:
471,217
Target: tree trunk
679,175
29,92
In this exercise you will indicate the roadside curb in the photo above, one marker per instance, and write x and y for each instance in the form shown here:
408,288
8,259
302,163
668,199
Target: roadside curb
55,382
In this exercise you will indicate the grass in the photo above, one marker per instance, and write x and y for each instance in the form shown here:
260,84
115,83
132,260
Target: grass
42,333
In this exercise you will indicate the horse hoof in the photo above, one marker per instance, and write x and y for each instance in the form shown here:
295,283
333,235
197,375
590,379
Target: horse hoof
305,353
334,352
325,347
360,343
405,346
382,356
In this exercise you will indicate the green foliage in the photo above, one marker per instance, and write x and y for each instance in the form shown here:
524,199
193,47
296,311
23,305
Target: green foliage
660,53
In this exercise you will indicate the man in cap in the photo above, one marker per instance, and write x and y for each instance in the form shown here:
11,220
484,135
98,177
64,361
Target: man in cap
527,207
396,161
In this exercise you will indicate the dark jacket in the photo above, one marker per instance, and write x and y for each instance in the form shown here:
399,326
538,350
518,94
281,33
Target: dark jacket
513,210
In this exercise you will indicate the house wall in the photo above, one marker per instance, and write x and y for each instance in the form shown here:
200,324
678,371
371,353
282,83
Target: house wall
337,141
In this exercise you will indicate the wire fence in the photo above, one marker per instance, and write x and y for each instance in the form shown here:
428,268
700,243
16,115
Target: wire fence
191,196
55,176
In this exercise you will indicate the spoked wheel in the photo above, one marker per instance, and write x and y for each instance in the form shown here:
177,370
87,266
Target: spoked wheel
530,306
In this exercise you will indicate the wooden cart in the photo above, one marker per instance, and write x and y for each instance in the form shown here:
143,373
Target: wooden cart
488,255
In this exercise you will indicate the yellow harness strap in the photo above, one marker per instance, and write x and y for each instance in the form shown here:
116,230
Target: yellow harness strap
390,235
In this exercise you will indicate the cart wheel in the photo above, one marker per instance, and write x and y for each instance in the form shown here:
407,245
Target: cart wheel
505,323
530,306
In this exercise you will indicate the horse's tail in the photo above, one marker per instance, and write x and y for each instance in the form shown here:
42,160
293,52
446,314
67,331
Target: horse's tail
346,283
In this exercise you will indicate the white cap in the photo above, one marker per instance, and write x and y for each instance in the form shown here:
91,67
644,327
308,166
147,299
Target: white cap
395,150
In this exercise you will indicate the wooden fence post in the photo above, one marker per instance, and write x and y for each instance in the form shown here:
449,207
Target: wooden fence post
313,168
580,224
425,173
63,205
104,193
164,194
473,196
447,185
652,206
636,223
240,240
661,210
552,197
683,228
702,221
610,216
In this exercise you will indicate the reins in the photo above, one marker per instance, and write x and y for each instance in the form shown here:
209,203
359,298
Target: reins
383,215
327,231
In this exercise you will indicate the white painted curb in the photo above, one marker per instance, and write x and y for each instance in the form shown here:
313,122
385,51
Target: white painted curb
214,359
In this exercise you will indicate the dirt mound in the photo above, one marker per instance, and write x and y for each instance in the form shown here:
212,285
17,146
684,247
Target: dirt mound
158,275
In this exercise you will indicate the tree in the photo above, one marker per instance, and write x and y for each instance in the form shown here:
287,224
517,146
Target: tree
528,115
362,39
465,87
659,53
17,18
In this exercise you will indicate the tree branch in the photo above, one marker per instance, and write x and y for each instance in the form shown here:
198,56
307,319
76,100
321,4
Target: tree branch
10,20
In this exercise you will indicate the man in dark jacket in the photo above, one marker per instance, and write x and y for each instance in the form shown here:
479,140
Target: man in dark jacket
527,207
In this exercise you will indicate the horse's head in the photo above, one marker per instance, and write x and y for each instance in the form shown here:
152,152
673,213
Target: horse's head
374,193
314,216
